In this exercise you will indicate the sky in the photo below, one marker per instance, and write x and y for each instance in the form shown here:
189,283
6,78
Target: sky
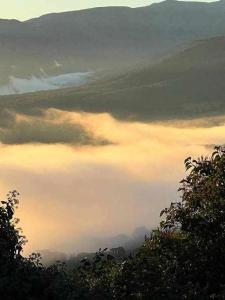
26,9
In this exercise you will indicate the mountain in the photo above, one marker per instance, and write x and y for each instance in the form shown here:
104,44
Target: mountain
103,38
119,246
185,85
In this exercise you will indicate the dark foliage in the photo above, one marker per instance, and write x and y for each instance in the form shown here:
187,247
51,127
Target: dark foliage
183,259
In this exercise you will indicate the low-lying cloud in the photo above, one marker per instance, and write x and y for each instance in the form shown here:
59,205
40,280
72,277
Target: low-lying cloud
74,197
44,83
37,131
16,129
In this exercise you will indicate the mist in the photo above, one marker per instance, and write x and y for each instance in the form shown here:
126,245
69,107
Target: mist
44,83
74,195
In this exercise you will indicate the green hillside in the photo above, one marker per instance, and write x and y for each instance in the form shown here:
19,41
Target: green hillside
188,84
104,38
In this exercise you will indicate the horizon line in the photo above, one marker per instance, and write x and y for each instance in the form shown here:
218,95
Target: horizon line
104,6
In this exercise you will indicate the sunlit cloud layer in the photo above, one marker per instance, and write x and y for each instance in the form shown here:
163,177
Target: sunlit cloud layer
69,190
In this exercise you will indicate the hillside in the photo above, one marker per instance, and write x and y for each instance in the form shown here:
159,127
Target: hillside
104,38
188,84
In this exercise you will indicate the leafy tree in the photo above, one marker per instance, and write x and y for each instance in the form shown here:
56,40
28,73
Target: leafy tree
184,258
25,278
200,218
11,241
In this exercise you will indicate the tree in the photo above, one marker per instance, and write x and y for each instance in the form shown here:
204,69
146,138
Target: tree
200,219
184,258
11,240
26,278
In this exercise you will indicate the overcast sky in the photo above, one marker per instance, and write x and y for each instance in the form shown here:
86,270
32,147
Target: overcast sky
25,9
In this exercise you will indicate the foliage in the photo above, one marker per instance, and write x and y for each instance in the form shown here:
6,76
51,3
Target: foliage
184,258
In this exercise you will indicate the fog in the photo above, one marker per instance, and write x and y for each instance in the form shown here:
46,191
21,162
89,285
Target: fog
73,195
44,83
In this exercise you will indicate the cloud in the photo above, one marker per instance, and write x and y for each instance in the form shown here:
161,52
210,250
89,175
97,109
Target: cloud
73,196
72,209
22,130
44,83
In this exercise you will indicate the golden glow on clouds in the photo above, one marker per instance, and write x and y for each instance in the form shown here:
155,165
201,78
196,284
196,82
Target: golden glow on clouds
69,192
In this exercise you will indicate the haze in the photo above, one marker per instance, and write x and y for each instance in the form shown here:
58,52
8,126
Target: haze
84,192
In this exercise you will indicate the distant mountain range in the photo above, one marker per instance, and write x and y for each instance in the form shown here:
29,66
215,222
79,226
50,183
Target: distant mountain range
104,38
188,84
127,243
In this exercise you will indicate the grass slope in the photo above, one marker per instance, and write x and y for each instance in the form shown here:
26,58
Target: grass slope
104,38
188,84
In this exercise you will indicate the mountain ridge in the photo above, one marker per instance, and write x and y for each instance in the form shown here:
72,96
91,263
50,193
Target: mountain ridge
189,84
104,38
